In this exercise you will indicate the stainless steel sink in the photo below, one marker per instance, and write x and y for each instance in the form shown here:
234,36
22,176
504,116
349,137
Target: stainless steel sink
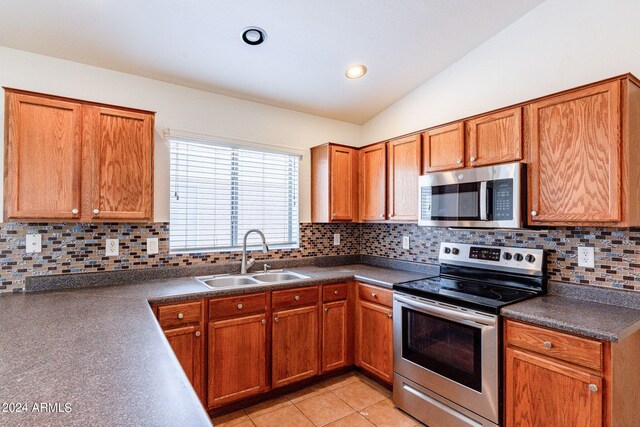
278,277
233,281
228,281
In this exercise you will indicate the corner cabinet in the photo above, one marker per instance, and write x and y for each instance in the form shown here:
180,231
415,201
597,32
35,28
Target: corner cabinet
334,183
73,160
554,378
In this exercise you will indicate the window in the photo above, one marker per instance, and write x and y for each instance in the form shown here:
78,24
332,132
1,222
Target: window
219,191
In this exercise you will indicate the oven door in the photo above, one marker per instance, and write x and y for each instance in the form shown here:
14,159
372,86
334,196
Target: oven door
448,350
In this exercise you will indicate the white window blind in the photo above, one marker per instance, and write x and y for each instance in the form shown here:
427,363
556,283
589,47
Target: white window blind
219,191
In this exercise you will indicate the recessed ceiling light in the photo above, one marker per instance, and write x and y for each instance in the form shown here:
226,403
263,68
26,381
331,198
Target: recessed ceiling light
254,35
356,71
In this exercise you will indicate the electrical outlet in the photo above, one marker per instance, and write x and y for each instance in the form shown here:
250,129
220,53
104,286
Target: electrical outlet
586,257
152,245
405,242
336,239
34,243
112,247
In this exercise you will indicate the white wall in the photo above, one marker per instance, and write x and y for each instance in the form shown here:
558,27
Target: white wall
178,108
558,45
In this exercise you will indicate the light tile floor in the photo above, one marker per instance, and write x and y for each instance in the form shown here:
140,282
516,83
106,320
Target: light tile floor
351,400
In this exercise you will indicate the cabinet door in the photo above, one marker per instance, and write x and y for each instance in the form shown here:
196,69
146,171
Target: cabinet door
42,158
542,393
575,157
374,349
188,345
294,345
402,178
237,359
495,138
334,335
344,183
122,174
443,148
372,182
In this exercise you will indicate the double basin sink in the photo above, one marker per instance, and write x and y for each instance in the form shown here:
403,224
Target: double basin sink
234,281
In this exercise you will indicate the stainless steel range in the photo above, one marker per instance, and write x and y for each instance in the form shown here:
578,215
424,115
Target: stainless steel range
447,334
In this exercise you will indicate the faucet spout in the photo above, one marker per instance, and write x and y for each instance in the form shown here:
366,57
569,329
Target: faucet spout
245,265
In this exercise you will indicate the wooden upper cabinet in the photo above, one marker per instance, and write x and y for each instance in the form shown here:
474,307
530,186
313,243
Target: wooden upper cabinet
122,154
443,148
334,183
495,138
575,166
402,178
372,182
74,160
43,154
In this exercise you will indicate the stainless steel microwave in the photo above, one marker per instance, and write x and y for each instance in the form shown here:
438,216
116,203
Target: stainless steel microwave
486,197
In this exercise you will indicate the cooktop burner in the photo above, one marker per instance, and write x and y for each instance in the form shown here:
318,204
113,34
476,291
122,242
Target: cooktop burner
482,277
466,293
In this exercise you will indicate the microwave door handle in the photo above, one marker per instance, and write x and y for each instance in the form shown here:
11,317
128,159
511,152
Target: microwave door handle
483,200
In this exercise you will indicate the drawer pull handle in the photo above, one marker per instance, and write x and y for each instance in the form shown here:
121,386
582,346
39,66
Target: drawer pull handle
197,333
547,344
180,315
297,298
277,319
263,321
240,306
593,388
335,292
373,294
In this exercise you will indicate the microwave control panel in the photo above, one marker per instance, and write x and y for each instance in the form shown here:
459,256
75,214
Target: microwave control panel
503,199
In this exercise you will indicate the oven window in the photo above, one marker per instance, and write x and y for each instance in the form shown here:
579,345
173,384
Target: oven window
455,202
450,349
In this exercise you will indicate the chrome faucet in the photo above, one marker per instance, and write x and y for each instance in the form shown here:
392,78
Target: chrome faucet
247,264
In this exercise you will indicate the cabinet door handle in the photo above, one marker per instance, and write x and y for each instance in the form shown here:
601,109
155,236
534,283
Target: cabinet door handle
459,161
326,309
548,344
74,211
333,214
277,319
180,315
96,211
297,298
263,321
381,215
240,306
534,213
197,333
473,159
593,388
335,292
389,316
373,294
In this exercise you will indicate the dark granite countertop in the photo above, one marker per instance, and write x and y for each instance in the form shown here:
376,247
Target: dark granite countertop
579,315
101,350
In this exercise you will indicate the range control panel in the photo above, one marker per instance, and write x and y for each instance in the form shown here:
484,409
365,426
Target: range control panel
506,258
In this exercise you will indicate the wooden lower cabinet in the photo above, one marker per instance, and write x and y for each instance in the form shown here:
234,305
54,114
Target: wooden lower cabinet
294,345
374,337
542,393
183,325
237,358
334,335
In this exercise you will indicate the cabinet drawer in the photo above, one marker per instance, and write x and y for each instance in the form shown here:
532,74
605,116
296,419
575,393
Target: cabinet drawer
179,314
570,348
334,292
236,306
294,297
375,294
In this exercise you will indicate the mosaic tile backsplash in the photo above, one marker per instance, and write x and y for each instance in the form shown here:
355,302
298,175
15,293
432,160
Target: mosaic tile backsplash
79,248
617,251
75,248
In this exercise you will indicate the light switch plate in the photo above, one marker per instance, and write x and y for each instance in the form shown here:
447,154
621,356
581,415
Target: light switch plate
586,257
34,243
112,247
152,245
405,242
336,239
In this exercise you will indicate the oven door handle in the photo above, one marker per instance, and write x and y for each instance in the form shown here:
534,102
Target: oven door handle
455,316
